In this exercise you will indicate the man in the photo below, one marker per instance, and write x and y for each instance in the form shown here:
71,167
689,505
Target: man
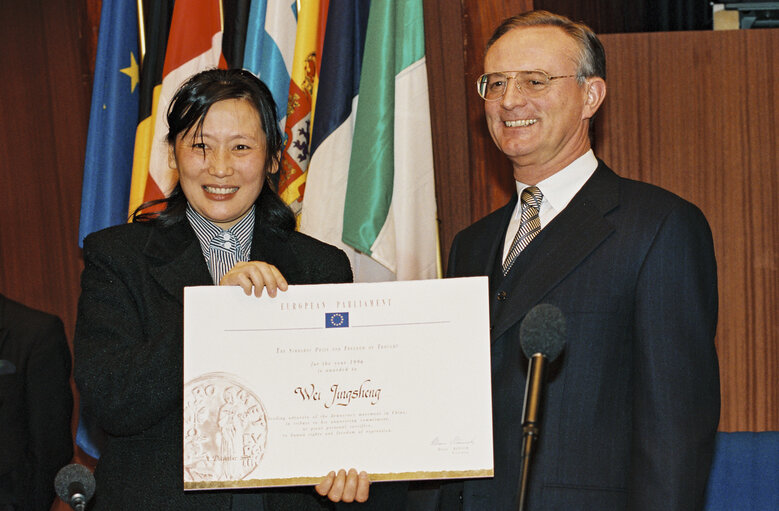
631,407
35,406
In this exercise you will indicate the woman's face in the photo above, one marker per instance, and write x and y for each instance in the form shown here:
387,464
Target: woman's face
222,169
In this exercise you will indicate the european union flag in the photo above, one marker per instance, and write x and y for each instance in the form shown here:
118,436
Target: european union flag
110,142
336,319
112,120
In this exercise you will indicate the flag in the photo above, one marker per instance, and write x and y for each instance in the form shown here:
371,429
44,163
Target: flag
331,137
302,91
390,211
89,437
109,152
112,119
336,320
157,28
235,16
389,204
270,46
194,44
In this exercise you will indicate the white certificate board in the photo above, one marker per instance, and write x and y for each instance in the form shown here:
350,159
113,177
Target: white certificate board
392,378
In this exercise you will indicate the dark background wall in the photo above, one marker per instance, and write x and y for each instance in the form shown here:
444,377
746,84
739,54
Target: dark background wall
632,16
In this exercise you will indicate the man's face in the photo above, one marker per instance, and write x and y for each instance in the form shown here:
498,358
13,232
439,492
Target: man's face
541,134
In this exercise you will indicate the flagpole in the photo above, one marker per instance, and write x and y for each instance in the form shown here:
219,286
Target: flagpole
141,32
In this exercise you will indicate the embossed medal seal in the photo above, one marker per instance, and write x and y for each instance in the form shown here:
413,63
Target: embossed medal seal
225,429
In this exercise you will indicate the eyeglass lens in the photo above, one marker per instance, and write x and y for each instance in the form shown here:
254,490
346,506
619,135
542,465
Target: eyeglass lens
493,85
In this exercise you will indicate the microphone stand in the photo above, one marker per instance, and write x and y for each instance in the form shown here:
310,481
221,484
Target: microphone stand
78,500
530,414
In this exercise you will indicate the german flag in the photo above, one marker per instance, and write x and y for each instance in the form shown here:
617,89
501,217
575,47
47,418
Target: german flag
194,43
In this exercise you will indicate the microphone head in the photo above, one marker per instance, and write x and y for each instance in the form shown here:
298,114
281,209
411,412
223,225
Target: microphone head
543,331
74,474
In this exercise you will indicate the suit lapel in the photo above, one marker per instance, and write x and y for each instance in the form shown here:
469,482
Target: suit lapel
481,244
179,259
275,248
498,239
567,241
264,245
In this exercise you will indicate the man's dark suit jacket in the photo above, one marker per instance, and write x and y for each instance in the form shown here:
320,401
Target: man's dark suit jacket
632,406
128,355
35,405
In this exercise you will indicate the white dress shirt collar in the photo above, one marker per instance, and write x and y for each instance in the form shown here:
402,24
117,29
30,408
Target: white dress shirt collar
560,187
558,190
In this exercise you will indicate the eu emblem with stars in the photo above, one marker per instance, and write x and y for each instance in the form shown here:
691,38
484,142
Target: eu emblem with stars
336,319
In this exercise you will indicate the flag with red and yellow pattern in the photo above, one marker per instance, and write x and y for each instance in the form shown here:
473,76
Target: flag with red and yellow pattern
302,96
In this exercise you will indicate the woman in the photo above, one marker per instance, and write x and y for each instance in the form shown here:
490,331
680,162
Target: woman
222,224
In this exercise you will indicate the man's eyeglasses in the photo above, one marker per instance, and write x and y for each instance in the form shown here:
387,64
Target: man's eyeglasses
492,86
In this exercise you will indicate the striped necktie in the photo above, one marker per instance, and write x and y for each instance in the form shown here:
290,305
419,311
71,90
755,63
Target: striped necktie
529,224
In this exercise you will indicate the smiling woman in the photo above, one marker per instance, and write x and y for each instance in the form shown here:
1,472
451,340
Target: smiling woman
223,224
224,141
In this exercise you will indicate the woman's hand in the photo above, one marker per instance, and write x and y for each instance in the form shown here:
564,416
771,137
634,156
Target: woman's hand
345,487
257,275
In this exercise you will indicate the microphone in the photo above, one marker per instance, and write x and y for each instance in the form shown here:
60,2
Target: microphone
75,485
542,337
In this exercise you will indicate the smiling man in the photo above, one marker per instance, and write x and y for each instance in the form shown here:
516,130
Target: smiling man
631,407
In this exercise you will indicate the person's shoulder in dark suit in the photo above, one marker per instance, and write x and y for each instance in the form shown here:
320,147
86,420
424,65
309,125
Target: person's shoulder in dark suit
322,263
318,261
35,404
128,238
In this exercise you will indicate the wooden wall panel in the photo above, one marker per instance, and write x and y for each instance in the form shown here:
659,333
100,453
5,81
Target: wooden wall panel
44,107
698,113
472,176
492,183
448,116
92,8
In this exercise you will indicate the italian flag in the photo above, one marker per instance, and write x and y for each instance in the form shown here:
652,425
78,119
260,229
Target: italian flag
383,206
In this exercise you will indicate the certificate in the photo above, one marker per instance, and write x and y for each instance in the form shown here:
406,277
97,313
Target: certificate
392,378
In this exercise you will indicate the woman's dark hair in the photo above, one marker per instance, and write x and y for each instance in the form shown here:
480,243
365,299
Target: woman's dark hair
187,111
